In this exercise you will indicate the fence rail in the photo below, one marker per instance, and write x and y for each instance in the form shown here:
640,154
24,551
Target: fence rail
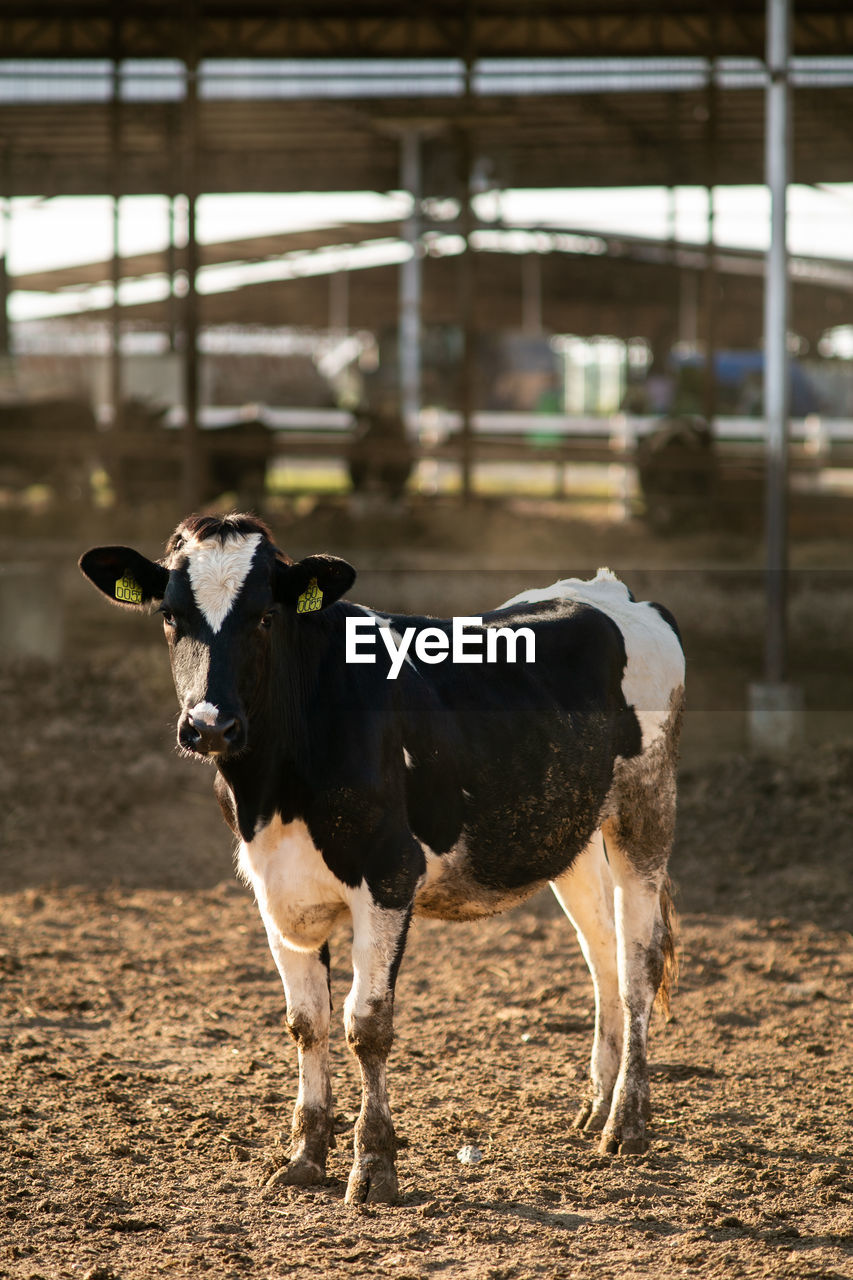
815,442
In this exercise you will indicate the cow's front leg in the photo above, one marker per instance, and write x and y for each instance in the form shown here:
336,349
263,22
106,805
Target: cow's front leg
379,935
305,976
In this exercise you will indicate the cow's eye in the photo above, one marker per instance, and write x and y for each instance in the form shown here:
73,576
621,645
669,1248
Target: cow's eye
266,621
167,616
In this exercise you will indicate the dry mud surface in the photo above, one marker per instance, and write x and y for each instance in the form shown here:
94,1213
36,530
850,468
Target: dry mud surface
147,1078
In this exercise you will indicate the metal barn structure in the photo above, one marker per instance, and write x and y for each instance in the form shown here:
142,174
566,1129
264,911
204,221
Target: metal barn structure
186,97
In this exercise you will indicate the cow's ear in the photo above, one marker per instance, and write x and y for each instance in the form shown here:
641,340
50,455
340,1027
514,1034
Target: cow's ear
313,583
125,576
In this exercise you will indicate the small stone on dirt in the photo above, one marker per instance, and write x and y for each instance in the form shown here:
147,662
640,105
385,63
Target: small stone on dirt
469,1155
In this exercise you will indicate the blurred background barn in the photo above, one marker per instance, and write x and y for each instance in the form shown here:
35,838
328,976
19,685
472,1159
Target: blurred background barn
475,294
296,253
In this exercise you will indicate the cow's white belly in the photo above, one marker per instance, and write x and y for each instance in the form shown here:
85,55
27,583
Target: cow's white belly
297,894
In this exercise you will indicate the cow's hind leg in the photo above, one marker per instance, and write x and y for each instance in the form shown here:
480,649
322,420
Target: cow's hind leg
305,976
379,935
638,844
585,892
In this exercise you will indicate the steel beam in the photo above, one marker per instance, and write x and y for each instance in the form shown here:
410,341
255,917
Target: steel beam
6,231
192,459
409,324
776,369
115,141
374,29
710,285
531,293
466,220
466,319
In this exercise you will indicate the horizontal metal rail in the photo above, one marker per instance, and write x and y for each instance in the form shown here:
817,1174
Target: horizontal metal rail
815,441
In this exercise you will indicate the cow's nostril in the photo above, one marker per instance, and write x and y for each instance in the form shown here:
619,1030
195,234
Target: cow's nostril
231,731
189,734
211,738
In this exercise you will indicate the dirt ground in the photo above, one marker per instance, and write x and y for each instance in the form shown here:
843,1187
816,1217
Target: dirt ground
147,1078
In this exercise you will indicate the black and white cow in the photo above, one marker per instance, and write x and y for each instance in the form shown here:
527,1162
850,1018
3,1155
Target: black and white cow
451,791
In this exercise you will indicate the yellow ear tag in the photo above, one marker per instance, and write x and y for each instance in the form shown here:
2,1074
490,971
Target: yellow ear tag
311,599
128,590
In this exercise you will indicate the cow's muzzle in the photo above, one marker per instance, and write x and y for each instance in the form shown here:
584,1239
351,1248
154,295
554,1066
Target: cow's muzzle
223,736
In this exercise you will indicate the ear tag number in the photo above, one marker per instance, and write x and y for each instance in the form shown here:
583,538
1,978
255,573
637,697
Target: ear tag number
128,590
311,599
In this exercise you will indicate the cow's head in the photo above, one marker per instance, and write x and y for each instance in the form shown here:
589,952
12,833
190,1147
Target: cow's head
226,595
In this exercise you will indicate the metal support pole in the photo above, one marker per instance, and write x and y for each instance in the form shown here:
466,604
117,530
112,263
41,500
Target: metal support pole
339,302
171,269
115,376
115,317
776,708
192,443
409,327
466,301
776,374
5,327
469,335
709,390
531,293
192,459
466,307
5,338
688,307
6,341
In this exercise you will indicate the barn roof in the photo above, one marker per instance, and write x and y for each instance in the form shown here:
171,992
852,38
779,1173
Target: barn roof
313,95
587,284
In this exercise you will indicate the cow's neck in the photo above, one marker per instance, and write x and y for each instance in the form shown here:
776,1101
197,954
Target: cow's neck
287,725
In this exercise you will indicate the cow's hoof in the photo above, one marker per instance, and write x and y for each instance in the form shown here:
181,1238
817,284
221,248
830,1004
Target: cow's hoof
592,1117
373,1180
582,1116
298,1173
633,1147
612,1144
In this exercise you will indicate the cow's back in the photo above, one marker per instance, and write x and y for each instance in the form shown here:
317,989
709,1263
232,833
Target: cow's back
653,651
517,789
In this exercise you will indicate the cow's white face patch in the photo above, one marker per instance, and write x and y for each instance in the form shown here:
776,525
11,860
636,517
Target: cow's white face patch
205,713
217,571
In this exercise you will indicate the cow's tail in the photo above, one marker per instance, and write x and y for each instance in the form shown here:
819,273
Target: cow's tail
669,972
